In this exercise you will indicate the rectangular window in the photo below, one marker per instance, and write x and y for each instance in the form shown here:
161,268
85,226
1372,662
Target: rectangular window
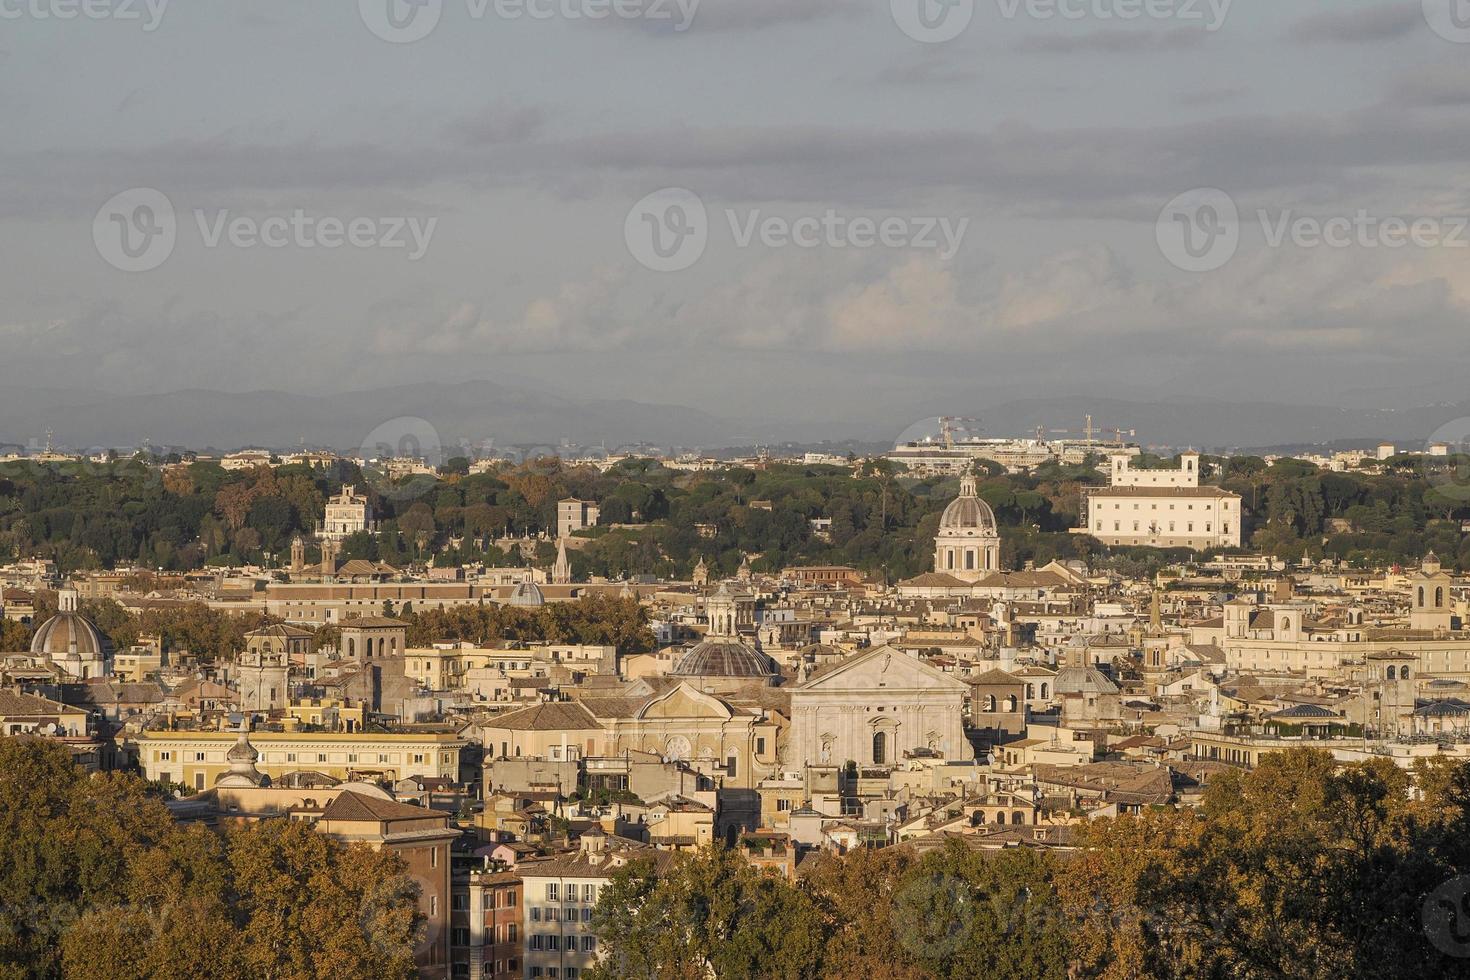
552,891
589,893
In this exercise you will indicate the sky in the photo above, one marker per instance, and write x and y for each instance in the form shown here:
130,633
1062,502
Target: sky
829,209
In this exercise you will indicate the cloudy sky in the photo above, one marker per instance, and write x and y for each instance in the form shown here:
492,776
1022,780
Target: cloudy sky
172,178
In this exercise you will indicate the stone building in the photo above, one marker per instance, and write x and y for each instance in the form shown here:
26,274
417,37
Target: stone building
874,709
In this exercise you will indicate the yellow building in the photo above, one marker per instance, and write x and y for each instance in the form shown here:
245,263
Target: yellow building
197,758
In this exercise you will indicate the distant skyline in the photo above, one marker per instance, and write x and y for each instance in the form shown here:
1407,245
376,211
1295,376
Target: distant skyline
513,152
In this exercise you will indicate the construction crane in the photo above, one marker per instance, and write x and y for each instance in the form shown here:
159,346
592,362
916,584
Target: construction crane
947,427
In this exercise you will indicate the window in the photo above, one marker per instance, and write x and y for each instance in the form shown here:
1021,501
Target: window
589,893
510,932
553,944
589,944
553,914
536,946
587,914
783,805
553,892
760,746
880,748
535,913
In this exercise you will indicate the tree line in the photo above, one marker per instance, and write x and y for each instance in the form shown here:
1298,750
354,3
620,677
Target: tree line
659,521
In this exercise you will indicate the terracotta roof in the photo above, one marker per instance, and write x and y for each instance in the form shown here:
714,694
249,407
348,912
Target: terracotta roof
15,705
349,805
547,716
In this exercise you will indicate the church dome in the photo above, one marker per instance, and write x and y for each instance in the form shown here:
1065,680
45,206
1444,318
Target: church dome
527,594
968,512
56,636
724,656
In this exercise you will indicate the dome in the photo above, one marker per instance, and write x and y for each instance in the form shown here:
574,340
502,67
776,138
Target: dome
242,773
243,751
968,512
724,657
55,637
527,594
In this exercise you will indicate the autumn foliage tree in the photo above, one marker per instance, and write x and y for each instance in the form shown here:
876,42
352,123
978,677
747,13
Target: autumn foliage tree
98,881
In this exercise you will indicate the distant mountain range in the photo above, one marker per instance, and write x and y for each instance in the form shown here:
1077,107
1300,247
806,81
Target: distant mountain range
484,413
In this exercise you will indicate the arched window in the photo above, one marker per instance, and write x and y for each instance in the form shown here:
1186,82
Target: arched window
978,818
1285,623
1391,672
1421,595
1030,691
1017,818
1438,597
990,702
880,748
1011,703
1044,692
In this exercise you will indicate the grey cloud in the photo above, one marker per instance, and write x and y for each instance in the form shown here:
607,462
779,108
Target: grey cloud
1433,85
1115,41
1361,25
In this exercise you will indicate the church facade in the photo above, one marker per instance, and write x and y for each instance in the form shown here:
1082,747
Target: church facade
875,709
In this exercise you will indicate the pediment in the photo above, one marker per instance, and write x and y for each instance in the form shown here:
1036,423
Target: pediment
685,702
884,669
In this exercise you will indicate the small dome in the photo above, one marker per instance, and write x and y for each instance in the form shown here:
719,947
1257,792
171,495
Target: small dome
242,772
527,594
968,512
724,657
243,751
